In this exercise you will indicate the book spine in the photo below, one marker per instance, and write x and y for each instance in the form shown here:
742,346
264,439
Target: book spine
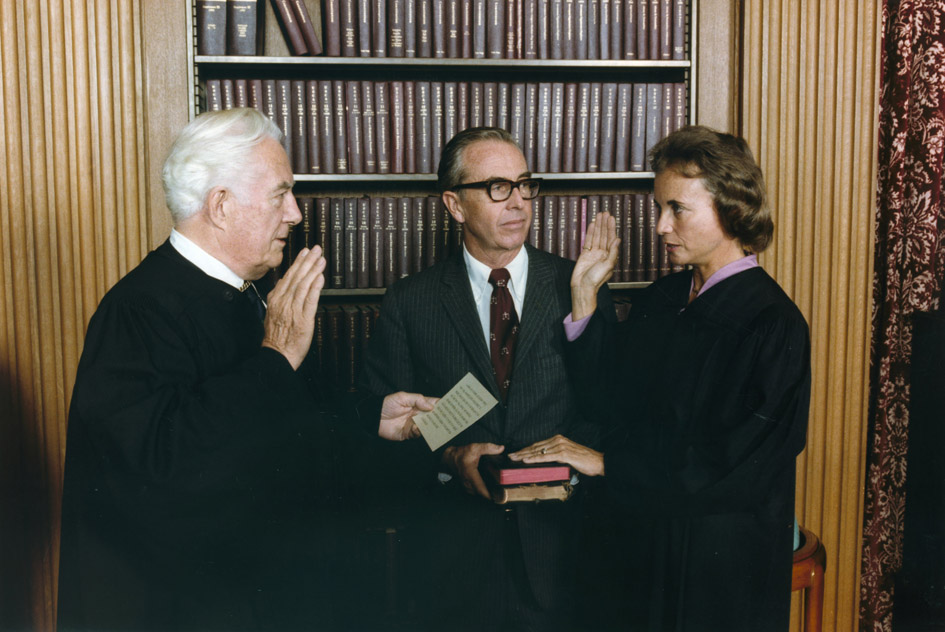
382,127
626,236
352,317
573,226
410,28
654,114
570,121
608,126
355,131
432,221
226,91
652,240
395,21
489,103
544,29
341,126
668,116
468,24
241,90
439,27
241,22
211,27
404,241
616,29
326,127
556,133
376,245
323,230
556,35
349,28
256,94
462,106
568,30
502,106
548,220
617,211
379,29
679,29
418,234
422,129
436,124
630,28
351,243
304,232
580,29
479,28
534,230
638,128
638,267
593,128
365,23
530,29
622,133
331,27
450,104
363,259
643,31
424,28
653,37
517,118
475,104
495,28
581,125
270,105
561,226
530,148
666,29
604,28
593,28
410,121
284,120
299,128
511,29
390,241
453,29
542,161
369,144
304,20
214,95
679,106
290,27
337,248
396,127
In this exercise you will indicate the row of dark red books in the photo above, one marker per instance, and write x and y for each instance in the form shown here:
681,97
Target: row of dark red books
372,242
342,333
401,126
506,29
234,27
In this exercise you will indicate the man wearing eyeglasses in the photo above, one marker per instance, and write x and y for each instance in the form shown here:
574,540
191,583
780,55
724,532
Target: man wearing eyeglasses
483,565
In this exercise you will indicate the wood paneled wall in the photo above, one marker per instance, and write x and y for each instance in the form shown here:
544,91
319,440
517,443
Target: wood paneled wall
809,95
73,219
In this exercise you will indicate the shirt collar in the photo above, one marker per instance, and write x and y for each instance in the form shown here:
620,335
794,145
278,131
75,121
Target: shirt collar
479,274
729,270
208,264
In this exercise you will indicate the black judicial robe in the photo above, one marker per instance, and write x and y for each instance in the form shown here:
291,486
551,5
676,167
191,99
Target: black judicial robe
707,408
196,463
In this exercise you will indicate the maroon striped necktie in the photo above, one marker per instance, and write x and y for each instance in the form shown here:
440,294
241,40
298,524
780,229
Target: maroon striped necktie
503,329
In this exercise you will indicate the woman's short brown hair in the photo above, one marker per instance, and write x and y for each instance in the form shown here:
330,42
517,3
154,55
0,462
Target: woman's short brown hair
729,173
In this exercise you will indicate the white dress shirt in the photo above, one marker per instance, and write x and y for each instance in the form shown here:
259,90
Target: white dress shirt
210,265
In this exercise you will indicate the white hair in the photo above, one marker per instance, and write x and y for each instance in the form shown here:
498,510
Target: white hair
214,149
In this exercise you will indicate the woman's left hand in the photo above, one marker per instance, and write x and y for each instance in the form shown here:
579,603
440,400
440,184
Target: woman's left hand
560,449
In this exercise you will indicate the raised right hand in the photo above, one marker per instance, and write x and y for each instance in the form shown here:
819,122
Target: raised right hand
594,266
290,315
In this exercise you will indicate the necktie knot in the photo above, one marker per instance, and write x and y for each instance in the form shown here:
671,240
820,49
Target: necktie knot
499,277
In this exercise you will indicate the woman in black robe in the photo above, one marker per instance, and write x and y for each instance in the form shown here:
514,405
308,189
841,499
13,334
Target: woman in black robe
704,392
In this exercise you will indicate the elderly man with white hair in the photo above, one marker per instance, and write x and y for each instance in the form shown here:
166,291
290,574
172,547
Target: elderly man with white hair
199,436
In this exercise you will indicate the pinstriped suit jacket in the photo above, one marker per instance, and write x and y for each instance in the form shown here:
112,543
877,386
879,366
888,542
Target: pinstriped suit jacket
429,336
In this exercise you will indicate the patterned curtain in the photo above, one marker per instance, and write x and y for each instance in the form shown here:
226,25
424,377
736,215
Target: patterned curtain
909,267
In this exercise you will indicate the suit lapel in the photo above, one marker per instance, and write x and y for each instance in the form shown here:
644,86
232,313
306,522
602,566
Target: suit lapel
538,307
458,302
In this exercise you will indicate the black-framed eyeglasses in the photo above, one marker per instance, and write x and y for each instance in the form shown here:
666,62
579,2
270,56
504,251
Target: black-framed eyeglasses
500,189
